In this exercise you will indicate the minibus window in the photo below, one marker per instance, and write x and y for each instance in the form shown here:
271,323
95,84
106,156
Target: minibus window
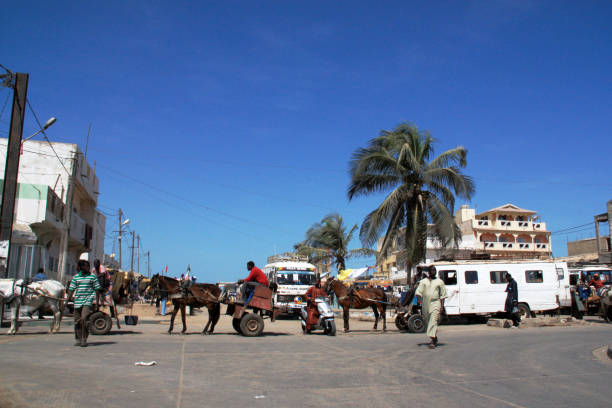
449,277
534,277
471,277
498,277
560,273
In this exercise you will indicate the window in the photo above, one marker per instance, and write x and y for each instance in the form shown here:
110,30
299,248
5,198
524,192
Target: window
498,276
560,273
471,277
534,276
449,277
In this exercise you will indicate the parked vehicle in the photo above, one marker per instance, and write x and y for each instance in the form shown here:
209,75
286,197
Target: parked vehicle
478,287
326,317
588,271
293,279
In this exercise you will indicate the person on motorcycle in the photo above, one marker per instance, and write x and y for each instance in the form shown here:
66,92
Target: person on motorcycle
312,293
256,277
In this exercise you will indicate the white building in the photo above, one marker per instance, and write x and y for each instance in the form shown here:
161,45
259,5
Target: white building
40,213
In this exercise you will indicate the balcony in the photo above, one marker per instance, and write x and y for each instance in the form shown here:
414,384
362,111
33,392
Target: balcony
503,225
516,246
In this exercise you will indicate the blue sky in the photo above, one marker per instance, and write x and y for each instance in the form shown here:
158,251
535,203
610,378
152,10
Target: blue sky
224,129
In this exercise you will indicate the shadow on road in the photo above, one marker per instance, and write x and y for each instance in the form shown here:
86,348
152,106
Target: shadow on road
99,343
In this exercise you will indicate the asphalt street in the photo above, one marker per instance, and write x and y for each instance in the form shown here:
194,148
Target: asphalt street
475,366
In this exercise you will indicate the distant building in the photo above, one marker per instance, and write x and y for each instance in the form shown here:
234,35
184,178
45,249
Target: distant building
38,226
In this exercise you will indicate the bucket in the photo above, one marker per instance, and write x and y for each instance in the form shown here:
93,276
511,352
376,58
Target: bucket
131,320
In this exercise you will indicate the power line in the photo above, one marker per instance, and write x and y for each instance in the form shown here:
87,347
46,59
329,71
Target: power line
226,214
572,228
42,129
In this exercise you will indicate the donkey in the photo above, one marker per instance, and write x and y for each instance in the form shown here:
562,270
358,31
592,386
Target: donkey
202,294
32,297
359,299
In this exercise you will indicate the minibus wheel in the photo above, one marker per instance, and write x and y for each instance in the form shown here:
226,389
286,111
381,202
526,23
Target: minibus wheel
524,311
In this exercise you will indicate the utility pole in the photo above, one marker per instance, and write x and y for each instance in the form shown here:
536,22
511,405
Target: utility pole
132,257
13,152
148,264
138,255
63,269
120,246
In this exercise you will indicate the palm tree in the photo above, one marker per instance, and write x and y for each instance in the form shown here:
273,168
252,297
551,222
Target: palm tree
329,239
420,191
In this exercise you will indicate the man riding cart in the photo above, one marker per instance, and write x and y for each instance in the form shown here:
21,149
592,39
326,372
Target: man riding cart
255,295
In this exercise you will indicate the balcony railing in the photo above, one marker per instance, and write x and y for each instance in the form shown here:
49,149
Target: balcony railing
516,246
509,225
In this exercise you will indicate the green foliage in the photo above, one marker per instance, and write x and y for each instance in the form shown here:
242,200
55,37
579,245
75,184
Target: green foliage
421,190
330,239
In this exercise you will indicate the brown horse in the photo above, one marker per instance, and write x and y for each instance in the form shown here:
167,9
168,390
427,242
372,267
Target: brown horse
359,299
201,294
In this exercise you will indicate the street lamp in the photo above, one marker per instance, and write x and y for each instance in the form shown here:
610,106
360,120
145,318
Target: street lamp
126,222
50,122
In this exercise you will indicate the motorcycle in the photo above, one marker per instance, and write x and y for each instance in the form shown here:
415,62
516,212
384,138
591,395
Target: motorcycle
326,317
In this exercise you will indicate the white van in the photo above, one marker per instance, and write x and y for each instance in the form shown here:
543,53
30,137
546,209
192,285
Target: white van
478,287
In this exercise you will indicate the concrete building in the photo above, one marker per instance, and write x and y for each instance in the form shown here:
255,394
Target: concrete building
605,253
506,232
40,218
588,246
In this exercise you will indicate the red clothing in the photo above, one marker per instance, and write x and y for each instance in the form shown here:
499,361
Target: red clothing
313,312
597,283
258,276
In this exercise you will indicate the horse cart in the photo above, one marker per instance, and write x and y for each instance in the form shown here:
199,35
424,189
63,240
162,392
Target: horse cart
408,314
248,316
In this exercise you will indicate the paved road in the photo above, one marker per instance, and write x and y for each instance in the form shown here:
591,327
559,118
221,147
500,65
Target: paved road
475,366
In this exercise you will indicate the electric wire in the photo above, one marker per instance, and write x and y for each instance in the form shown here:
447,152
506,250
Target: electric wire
42,130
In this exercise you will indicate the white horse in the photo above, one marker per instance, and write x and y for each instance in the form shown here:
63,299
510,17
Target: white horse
31,298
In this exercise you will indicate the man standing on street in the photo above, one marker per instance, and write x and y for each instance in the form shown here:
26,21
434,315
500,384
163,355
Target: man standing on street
511,306
432,292
84,286
256,277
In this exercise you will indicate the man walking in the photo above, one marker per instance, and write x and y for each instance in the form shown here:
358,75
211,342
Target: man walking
511,306
84,286
432,292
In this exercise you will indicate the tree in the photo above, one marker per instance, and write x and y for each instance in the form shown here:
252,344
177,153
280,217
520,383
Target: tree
420,191
329,239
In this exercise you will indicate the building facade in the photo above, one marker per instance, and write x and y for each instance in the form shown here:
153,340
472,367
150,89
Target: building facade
506,232
41,215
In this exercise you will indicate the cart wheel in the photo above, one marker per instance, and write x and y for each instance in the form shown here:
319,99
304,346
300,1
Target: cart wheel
236,324
251,325
100,323
416,324
400,323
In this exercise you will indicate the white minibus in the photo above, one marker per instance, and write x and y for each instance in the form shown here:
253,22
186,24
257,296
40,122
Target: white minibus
478,287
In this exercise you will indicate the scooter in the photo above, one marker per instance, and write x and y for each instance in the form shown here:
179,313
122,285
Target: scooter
326,317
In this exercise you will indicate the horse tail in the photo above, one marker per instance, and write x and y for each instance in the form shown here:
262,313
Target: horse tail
216,312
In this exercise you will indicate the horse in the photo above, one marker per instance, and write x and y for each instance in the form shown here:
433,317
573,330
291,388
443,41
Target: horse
33,296
359,299
605,304
202,294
